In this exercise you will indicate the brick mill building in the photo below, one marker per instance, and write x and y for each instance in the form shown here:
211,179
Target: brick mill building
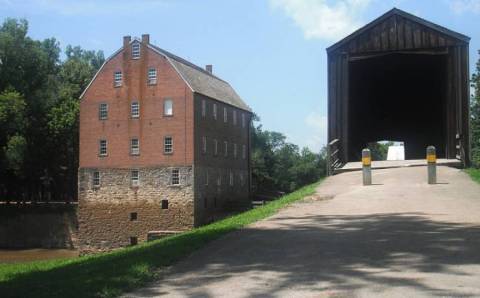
164,147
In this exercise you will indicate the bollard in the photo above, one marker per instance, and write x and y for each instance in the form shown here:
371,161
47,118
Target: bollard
367,167
432,165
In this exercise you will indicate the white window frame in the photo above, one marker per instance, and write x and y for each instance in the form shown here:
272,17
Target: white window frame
219,180
96,179
175,176
168,145
136,50
204,108
204,145
215,111
244,152
231,178
225,148
243,120
135,109
117,78
166,111
235,150
135,178
134,146
103,111
215,147
234,117
225,115
102,147
152,76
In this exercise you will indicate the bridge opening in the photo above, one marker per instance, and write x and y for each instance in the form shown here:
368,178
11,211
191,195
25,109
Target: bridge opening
398,96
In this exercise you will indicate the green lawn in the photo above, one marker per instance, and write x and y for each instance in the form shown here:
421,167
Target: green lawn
110,274
474,173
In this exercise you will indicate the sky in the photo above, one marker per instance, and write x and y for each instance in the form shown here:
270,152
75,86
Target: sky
271,51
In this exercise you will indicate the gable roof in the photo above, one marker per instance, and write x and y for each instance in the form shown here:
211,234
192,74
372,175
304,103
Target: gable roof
395,11
198,79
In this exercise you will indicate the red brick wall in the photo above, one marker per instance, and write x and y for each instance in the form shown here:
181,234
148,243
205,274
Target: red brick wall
150,128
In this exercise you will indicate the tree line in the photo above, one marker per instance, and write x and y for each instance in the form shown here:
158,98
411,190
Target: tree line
475,116
40,88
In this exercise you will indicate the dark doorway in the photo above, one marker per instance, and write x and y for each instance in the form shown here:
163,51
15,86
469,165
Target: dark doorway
401,97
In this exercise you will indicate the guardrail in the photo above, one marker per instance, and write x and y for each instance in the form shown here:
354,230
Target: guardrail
333,156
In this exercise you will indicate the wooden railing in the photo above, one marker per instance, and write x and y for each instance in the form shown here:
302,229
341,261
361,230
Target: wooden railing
333,156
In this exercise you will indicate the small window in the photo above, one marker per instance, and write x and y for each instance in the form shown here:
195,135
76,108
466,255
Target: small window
152,76
134,147
241,179
133,216
175,177
204,145
135,178
135,50
231,178
168,107
219,180
204,108
215,111
117,79
235,150
135,109
133,240
96,179
225,115
215,147
244,151
102,151
243,120
164,204
168,145
206,177
225,150
103,111
234,117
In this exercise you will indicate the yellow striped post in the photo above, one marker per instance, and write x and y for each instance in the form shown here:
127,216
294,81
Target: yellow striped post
432,165
367,166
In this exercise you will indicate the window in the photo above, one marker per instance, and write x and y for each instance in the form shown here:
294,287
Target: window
244,152
133,240
215,147
134,147
103,111
96,179
204,145
102,150
204,108
133,216
152,76
117,79
134,178
219,180
168,107
235,150
164,204
241,179
135,50
215,111
225,145
168,145
234,117
243,120
206,177
135,109
175,177
225,118
231,178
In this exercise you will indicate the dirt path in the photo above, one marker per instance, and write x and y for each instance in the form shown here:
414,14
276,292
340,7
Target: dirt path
398,238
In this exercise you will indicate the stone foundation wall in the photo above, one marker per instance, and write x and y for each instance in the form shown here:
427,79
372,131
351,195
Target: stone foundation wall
116,215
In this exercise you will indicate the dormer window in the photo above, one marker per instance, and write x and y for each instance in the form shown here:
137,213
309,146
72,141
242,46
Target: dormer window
135,50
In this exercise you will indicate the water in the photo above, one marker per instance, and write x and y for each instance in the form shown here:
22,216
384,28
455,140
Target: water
35,254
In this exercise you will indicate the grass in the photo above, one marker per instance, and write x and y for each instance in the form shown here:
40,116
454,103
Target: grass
474,174
110,274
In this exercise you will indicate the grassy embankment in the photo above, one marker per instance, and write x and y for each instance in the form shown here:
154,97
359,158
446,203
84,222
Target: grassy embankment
110,274
474,173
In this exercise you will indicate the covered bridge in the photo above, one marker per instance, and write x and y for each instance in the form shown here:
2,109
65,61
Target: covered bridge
399,78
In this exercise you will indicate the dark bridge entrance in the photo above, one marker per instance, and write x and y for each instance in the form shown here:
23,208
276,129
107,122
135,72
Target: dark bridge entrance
399,78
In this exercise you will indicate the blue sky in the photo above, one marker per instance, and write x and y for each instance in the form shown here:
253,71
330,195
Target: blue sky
271,51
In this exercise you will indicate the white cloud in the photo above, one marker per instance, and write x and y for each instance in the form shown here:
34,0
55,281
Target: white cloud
324,19
318,124
462,6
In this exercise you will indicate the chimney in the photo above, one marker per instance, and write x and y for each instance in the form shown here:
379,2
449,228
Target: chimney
146,38
209,68
126,41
